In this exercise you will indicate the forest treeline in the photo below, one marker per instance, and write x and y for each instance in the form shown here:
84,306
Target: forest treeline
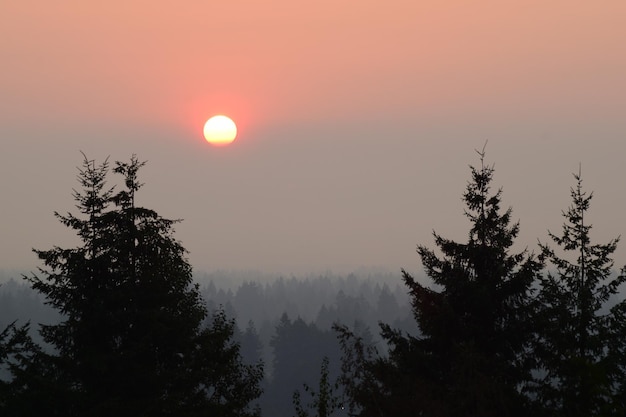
280,315
322,299
488,331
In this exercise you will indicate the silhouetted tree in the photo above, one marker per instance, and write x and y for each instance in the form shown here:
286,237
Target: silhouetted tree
230,385
298,349
15,343
578,368
362,386
325,401
34,388
131,342
617,354
470,358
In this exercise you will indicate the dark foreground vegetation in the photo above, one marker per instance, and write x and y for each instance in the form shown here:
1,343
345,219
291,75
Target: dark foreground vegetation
126,331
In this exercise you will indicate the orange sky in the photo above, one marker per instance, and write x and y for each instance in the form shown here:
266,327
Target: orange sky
435,79
283,62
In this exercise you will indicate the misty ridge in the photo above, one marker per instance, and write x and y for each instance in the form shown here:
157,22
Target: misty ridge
120,325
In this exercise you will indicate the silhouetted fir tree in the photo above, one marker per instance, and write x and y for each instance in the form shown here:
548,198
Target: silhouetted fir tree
131,342
578,367
470,358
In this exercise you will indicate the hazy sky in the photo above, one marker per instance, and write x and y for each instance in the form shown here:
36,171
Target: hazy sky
357,119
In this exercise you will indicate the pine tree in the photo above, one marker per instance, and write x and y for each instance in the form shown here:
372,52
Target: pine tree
132,341
577,369
470,358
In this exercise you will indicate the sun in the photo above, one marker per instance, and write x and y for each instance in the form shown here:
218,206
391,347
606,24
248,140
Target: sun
220,130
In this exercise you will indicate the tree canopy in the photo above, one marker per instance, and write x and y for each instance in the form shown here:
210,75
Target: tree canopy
577,362
470,358
134,339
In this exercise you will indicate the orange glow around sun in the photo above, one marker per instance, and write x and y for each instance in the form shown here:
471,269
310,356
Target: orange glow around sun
220,130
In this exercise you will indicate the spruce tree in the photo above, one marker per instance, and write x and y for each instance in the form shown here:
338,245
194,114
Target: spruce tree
577,365
470,358
132,340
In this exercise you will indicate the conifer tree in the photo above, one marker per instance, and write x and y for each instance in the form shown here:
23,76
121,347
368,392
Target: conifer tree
132,340
470,358
578,368
617,352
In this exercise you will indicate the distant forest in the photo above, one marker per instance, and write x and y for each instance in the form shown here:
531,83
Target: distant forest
274,316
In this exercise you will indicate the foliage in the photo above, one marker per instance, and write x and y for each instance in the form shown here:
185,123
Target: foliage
361,386
15,343
578,367
33,387
617,353
324,401
231,385
471,356
132,340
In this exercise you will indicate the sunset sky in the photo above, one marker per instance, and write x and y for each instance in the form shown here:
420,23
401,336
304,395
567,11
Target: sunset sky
357,121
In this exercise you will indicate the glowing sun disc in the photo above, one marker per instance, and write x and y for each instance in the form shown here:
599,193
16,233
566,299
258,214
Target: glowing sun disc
220,130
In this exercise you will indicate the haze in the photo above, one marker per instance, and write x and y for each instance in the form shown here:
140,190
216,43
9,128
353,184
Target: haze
357,121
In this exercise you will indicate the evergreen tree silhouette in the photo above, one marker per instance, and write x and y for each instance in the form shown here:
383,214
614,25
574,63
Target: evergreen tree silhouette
132,340
578,370
471,356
